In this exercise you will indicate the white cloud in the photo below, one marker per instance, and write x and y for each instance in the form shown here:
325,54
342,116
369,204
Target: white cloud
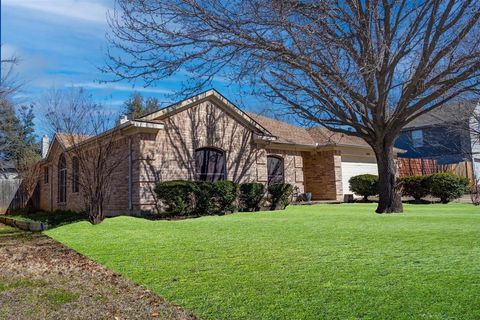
120,87
87,10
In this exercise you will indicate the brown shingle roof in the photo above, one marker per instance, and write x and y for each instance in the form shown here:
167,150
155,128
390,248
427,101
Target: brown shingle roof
69,140
285,132
323,136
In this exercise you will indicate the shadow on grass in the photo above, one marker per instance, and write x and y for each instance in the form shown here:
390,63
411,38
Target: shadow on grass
52,219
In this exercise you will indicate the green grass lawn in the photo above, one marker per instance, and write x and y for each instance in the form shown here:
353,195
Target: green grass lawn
307,262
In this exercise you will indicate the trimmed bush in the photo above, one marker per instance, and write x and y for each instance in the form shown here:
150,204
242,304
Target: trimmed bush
251,195
225,193
178,196
447,186
280,195
415,186
364,185
203,194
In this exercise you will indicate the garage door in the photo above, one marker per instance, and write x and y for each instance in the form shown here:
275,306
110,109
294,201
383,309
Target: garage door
350,169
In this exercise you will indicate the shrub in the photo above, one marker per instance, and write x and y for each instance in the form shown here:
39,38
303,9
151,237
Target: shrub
178,196
251,195
225,193
415,186
280,195
447,186
203,192
364,185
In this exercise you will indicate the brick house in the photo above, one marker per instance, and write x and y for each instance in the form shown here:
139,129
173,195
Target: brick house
208,138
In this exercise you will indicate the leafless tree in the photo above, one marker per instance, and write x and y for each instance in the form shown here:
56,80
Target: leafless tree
364,68
9,80
97,150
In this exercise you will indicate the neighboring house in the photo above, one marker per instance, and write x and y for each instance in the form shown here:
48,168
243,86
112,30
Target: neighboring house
448,134
208,138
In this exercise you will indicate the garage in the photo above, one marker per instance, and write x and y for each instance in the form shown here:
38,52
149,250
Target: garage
355,168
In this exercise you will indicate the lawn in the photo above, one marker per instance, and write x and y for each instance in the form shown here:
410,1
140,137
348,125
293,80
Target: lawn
307,262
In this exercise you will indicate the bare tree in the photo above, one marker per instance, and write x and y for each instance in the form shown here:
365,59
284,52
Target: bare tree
364,68
9,80
90,144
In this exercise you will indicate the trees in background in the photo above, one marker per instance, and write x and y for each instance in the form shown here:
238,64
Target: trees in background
363,68
19,147
77,118
136,106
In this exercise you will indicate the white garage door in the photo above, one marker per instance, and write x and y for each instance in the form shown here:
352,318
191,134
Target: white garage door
350,169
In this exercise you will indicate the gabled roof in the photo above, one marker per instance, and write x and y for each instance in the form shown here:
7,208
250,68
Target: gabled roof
221,101
67,141
452,113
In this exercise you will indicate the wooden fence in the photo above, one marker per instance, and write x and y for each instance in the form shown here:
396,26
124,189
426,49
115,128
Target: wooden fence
8,193
420,167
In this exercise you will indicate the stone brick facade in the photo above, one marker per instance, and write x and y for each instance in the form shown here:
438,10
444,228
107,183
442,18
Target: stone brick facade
161,147
169,154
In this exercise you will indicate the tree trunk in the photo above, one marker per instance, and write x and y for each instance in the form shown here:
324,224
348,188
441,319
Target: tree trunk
390,198
95,212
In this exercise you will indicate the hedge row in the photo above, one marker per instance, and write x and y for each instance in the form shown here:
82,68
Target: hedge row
445,186
185,198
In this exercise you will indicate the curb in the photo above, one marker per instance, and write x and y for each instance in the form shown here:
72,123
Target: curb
24,225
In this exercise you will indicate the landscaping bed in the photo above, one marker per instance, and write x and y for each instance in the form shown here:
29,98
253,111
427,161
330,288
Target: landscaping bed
42,279
306,262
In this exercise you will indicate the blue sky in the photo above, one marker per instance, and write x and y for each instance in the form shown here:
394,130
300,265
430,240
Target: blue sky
61,43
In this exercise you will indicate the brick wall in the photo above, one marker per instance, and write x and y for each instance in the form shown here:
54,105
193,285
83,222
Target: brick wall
323,175
117,199
169,155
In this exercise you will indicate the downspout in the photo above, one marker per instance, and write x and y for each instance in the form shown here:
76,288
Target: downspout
130,205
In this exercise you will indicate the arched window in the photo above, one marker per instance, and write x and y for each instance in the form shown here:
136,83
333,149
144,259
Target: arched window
75,175
275,170
62,179
210,164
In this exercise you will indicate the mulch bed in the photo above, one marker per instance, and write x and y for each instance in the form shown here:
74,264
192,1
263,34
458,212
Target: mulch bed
42,279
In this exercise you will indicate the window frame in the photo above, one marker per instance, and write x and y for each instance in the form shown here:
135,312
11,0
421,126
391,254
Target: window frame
200,175
282,166
62,179
75,175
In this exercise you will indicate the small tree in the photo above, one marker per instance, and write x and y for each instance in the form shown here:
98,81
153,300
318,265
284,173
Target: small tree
96,148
